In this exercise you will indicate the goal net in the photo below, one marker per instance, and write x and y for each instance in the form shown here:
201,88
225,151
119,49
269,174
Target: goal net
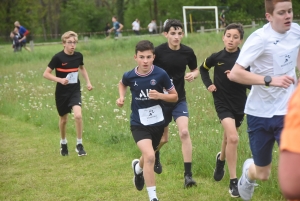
184,8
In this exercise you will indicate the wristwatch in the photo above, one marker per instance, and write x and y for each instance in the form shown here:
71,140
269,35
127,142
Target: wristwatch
267,80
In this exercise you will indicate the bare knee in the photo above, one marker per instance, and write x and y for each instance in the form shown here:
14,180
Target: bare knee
149,159
78,117
233,139
63,121
184,134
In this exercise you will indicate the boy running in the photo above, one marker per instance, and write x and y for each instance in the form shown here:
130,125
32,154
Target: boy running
146,83
67,63
272,53
229,100
173,57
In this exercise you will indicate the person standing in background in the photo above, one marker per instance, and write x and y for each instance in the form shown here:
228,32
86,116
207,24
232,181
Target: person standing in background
23,32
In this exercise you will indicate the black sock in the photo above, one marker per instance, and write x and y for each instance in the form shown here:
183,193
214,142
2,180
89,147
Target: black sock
188,169
157,155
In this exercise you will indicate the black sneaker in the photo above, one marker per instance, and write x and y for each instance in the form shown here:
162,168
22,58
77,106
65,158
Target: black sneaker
157,164
188,181
138,179
154,199
233,189
219,170
64,150
79,149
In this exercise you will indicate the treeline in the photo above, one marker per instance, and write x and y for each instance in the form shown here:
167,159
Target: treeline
47,19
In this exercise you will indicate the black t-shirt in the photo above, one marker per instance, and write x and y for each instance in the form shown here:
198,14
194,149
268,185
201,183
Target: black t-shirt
63,65
174,62
229,95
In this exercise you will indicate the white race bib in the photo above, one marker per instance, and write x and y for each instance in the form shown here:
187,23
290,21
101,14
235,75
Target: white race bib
72,77
285,61
151,115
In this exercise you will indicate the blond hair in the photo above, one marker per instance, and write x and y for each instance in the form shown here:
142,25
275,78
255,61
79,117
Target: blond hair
69,34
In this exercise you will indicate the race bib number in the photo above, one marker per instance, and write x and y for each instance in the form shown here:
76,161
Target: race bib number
72,77
284,62
151,115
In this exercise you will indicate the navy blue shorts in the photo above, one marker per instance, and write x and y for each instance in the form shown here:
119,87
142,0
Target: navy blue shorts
263,132
174,111
153,133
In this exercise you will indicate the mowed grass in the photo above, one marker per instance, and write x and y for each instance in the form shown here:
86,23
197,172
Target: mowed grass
32,168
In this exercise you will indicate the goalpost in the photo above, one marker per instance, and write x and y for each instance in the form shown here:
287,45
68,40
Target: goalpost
184,8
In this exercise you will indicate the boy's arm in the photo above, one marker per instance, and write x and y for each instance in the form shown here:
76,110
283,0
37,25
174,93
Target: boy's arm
204,72
240,75
191,75
122,93
288,174
86,77
298,60
121,26
172,95
47,74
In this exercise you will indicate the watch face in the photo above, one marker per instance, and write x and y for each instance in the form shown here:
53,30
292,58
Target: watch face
268,79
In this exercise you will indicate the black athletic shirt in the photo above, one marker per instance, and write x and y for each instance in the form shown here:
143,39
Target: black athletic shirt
229,95
174,62
64,64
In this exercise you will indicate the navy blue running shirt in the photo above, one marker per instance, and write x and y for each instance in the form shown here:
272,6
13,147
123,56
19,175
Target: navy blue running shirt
140,85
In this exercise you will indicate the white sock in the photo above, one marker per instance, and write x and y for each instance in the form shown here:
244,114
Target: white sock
63,141
79,141
152,192
138,168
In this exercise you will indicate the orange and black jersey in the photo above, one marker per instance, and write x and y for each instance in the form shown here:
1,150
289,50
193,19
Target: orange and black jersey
63,65
174,62
229,95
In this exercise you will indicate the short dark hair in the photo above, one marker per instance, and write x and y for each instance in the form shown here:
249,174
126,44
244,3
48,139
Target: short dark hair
173,23
144,45
236,26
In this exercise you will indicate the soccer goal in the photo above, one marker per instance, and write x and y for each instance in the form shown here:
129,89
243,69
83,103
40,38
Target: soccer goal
184,8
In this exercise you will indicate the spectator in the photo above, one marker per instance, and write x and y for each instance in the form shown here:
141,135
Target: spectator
136,27
222,19
106,29
23,32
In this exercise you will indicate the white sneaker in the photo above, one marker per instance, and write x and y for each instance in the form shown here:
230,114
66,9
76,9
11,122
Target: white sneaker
246,188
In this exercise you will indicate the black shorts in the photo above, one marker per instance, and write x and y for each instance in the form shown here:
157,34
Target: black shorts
153,133
239,118
65,102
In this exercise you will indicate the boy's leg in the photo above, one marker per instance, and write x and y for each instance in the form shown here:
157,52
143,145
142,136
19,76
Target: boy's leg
262,134
164,139
62,128
219,170
231,147
79,127
232,138
147,161
78,120
186,146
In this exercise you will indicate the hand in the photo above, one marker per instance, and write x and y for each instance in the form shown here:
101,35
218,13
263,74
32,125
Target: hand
153,94
227,73
212,88
189,77
89,86
283,81
64,81
120,102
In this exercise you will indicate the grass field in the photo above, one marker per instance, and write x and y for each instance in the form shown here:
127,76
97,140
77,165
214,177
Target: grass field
32,168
